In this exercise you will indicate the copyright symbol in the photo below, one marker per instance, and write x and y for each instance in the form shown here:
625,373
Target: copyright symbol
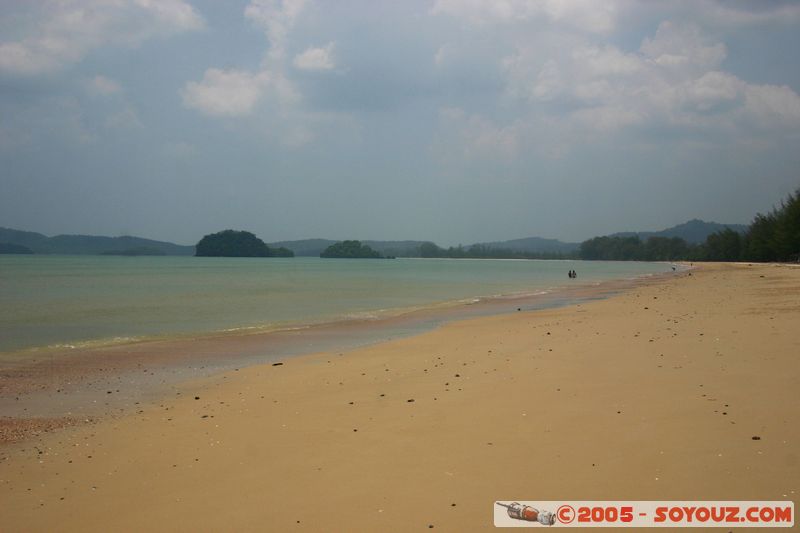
565,514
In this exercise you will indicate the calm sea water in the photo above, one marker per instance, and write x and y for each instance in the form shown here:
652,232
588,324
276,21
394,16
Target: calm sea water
84,300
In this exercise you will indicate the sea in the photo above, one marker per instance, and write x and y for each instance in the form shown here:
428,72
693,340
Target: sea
55,301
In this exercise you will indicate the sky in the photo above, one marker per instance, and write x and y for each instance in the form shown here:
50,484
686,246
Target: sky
456,121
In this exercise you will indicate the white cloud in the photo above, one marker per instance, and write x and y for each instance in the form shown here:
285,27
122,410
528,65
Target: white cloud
595,16
316,58
235,93
66,31
103,86
225,93
682,46
674,80
712,89
769,104
475,136
276,18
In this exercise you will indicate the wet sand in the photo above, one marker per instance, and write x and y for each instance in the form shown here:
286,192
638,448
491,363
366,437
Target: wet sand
655,393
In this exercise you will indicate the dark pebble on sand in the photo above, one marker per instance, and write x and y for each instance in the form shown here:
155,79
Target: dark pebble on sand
756,437
277,364
197,397
411,400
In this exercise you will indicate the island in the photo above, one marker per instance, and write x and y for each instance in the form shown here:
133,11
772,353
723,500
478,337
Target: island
232,243
350,250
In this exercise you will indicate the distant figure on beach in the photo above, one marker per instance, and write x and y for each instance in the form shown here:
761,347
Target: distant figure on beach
572,274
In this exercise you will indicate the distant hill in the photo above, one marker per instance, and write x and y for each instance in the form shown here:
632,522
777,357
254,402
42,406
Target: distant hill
304,247
694,231
534,245
89,244
9,248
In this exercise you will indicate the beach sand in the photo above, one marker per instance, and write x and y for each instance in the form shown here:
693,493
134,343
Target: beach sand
654,394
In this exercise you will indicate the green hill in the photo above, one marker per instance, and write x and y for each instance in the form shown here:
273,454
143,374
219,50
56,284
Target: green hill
231,243
88,244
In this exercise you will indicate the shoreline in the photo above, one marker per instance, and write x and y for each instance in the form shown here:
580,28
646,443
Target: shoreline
47,389
32,333
670,380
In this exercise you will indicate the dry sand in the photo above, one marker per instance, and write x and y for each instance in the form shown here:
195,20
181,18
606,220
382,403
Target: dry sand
654,394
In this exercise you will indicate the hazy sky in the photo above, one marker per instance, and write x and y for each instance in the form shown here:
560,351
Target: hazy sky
450,120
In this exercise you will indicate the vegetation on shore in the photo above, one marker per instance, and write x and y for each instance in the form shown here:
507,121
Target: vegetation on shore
773,237
482,251
230,243
350,250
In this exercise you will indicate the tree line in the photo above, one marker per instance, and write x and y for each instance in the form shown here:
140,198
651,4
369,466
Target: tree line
771,237
480,251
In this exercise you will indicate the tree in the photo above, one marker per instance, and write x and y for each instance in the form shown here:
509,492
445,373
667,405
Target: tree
428,249
725,245
350,250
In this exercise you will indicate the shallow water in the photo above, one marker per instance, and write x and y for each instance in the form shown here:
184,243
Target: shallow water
94,300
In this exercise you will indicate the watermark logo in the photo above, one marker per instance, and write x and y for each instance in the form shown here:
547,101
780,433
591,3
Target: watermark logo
619,514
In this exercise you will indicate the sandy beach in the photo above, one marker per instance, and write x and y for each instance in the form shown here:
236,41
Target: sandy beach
653,394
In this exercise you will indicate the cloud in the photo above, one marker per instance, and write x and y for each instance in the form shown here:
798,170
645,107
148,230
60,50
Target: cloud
586,15
276,18
768,104
471,135
682,46
316,58
103,86
235,92
66,31
674,80
224,93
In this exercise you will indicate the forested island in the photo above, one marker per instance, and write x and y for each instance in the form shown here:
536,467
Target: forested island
774,237
350,250
231,243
